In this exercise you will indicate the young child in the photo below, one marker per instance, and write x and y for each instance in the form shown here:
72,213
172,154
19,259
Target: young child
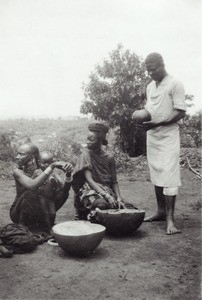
54,192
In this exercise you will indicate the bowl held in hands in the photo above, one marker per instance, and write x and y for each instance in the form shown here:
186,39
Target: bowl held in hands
140,116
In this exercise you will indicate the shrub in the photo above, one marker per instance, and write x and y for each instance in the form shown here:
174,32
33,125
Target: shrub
66,150
6,150
190,128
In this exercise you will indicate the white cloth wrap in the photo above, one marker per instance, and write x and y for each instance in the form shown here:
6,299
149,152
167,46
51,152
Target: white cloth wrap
170,191
163,142
163,154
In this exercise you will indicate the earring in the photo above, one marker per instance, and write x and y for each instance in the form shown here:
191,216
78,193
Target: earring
31,166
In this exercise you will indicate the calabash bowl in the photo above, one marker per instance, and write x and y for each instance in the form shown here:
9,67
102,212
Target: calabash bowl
120,221
141,116
78,237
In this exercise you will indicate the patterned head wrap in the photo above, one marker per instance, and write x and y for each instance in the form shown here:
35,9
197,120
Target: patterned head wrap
98,127
101,130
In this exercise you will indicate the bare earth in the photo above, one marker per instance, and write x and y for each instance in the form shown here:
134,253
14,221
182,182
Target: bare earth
147,265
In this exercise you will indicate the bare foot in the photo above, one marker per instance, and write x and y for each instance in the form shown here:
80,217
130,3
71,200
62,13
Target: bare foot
171,229
156,217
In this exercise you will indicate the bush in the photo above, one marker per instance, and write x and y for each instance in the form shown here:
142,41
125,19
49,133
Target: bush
6,150
194,157
6,170
66,150
190,128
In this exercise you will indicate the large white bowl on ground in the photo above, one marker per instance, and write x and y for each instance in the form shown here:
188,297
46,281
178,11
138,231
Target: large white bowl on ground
120,221
78,237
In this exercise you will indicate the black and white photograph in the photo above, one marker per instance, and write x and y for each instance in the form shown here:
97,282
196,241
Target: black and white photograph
100,149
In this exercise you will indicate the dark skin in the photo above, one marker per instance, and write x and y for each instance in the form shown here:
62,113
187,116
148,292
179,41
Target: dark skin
157,72
24,156
95,143
54,192
165,203
23,178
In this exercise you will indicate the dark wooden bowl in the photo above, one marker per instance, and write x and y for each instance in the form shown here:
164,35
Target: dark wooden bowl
120,221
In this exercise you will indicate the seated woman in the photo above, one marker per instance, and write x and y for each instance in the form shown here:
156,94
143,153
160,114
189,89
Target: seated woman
27,208
94,178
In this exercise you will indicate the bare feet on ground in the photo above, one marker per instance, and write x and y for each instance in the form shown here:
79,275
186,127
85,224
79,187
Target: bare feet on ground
156,217
171,229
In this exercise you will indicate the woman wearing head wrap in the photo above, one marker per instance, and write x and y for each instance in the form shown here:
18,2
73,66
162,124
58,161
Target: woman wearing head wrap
94,179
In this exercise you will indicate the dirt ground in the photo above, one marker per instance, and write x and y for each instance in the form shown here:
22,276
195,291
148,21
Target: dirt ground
147,265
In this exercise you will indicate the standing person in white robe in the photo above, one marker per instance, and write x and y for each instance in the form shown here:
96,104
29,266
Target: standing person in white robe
166,106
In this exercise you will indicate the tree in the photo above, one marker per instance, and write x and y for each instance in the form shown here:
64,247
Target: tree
115,90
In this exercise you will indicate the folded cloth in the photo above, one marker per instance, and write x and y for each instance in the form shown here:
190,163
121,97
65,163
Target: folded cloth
4,252
19,239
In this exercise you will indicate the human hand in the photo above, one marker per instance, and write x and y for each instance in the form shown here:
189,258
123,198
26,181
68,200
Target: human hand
111,201
143,127
155,121
68,168
64,166
120,203
57,164
92,215
148,125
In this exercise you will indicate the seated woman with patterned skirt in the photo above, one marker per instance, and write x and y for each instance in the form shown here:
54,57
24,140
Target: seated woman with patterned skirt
94,178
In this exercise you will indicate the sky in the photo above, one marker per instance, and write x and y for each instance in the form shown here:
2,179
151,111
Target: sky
48,48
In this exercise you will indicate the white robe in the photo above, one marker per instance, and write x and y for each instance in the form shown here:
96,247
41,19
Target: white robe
163,142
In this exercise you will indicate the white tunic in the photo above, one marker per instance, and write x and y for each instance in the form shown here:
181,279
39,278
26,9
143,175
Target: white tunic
163,142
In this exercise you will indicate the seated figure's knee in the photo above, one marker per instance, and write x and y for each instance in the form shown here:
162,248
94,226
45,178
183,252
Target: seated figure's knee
100,203
102,206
